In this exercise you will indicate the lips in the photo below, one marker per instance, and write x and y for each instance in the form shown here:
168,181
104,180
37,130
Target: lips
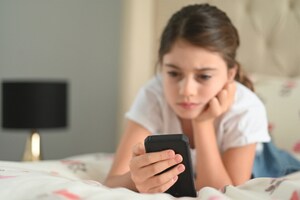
188,105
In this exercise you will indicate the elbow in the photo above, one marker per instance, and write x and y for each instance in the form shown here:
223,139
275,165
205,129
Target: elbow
240,182
109,182
217,184
106,182
240,179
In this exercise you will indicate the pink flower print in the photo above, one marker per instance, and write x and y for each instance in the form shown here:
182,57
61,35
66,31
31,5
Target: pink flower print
287,87
65,193
54,173
295,196
75,165
5,177
296,147
275,183
215,198
290,84
271,127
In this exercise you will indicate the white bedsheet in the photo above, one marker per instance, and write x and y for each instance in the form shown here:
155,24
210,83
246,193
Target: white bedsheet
81,177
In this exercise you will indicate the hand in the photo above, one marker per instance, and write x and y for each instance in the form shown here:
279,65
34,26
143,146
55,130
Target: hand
218,104
146,168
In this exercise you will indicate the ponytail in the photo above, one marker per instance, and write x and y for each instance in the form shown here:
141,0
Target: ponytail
243,78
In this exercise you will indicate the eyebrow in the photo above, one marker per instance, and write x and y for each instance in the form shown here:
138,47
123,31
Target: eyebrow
197,69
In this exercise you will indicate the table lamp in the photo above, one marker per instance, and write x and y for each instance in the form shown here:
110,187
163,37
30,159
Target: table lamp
34,105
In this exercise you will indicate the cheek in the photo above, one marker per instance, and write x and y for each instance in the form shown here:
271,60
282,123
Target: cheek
170,90
210,92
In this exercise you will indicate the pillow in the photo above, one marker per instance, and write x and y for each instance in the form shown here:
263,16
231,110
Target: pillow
281,97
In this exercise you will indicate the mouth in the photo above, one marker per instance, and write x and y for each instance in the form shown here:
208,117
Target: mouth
188,105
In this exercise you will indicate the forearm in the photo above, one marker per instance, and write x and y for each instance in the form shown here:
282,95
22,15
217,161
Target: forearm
123,180
209,165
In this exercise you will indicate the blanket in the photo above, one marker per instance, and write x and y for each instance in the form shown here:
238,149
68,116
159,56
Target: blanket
81,177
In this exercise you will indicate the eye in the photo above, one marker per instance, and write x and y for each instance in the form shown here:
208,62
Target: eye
173,73
203,77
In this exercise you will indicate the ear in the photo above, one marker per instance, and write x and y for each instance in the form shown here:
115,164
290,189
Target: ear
232,72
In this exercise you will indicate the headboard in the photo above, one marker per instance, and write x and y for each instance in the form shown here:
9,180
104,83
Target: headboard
269,32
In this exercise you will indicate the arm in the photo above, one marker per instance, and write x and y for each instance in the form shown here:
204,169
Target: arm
233,167
119,175
213,169
136,170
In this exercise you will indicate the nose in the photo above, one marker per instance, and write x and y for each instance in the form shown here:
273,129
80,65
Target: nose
187,87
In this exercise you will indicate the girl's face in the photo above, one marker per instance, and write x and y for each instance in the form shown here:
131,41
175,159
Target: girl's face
192,76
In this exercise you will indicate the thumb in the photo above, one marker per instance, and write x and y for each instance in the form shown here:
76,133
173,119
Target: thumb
138,149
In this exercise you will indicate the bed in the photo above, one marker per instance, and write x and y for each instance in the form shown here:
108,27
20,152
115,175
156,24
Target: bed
81,177
270,32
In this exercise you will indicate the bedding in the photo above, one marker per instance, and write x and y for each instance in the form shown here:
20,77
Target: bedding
81,177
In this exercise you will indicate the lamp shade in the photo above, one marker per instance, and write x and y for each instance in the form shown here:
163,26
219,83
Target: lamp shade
34,104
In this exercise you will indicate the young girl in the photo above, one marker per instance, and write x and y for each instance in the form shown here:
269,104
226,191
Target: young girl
200,91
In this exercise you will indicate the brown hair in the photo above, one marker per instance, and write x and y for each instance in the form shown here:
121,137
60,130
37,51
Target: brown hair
208,27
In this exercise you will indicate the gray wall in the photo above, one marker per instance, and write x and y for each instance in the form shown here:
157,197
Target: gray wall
76,40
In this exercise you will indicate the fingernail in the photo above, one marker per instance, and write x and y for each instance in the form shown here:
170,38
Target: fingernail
180,168
175,178
178,158
171,154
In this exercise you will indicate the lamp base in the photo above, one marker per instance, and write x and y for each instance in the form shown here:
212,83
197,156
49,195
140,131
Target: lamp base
33,147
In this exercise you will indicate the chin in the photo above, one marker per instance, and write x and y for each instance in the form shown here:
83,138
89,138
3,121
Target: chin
188,115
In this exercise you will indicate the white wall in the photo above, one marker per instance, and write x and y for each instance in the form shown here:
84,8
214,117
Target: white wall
137,51
76,40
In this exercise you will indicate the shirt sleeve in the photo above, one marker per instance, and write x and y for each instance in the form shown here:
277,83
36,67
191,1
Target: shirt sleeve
246,127
145,110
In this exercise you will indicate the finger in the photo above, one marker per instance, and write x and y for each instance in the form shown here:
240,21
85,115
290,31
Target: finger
226,86
138,149
215,107
165,180
223,99
159,167
150,158
164,187
142,170
231,88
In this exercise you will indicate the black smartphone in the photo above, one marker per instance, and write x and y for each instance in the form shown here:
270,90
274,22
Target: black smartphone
184,186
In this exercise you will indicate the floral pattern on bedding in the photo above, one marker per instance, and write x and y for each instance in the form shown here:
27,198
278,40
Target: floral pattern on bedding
295,196
55,180
60,193
274,184
75,165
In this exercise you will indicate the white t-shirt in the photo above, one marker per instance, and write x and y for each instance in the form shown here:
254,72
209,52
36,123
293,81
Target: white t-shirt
244,123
